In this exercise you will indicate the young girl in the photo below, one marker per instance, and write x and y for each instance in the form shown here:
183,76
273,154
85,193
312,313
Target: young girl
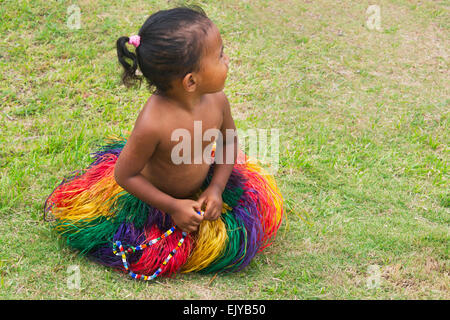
136,205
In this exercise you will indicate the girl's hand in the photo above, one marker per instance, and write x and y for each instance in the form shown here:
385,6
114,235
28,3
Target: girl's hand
184,215
212,197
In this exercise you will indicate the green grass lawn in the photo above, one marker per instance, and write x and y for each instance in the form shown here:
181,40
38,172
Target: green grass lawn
364,143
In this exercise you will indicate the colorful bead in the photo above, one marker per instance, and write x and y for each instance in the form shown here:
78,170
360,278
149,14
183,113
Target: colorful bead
141,247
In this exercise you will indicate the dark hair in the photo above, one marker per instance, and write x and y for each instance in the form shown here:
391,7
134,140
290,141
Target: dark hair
171,46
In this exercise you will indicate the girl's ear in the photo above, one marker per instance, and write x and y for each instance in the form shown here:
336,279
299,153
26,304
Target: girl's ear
189,83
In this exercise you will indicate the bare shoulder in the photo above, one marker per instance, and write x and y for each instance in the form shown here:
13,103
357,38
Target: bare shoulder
221,100
149,120
142,142
151,115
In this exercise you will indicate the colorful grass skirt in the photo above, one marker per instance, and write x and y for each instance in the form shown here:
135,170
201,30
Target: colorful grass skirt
92,212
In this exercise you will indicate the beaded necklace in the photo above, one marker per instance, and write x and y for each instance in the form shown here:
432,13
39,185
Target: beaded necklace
123,253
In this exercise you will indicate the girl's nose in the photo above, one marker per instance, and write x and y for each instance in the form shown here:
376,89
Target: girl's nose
227,60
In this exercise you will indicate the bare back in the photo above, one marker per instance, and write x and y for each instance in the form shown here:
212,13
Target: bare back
179,180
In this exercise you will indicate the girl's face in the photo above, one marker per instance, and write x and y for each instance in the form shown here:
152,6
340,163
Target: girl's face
214,63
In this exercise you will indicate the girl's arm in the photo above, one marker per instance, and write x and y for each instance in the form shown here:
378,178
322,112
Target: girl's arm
137,151
222,171
212,195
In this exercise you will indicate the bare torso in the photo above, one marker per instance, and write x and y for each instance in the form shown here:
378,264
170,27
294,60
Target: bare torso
181,180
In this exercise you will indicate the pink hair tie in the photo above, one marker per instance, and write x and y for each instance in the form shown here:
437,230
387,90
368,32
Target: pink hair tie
135,41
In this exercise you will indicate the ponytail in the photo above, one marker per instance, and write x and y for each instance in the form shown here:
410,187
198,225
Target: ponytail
129,77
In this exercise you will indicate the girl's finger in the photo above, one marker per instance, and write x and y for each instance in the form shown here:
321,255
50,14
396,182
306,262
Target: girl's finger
198,204
208,208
